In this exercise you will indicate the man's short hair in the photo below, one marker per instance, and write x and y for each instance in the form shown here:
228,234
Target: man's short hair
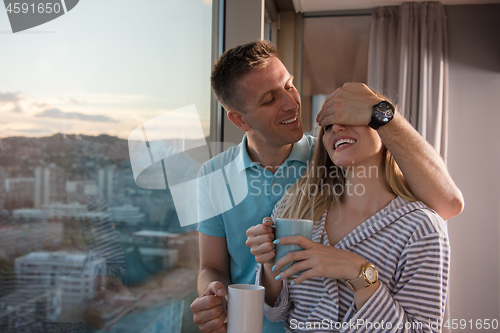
233,65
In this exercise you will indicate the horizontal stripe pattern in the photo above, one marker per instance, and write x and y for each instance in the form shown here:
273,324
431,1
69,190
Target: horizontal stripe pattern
102,240
409,245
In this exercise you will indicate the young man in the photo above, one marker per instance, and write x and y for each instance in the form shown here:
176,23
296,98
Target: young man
258,94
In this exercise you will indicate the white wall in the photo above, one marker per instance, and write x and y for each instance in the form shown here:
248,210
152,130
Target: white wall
474,160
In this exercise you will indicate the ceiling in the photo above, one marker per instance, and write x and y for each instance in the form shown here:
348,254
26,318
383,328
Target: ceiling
330,5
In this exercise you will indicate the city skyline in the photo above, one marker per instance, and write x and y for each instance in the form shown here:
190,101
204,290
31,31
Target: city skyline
97,216
72,90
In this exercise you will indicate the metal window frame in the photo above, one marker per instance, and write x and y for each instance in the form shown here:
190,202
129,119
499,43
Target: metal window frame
216,110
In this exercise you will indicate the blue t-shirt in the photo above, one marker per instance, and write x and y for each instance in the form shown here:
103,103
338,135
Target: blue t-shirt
235,193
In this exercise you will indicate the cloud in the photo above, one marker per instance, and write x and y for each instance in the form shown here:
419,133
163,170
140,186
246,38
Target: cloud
75,101
17,109
34,131
56,113
14,100
9,98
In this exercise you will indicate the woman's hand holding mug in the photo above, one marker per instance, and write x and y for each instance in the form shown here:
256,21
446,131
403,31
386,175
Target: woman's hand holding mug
260,241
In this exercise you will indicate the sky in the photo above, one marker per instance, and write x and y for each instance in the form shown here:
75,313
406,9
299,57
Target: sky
106,67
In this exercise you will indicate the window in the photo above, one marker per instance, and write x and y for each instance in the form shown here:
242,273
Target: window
72,92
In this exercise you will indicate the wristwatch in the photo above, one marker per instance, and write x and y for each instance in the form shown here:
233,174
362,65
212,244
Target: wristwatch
382,113
366,277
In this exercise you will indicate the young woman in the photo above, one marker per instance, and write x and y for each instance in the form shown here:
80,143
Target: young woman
378,259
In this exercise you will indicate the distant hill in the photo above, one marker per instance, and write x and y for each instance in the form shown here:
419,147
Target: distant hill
78,155
21,155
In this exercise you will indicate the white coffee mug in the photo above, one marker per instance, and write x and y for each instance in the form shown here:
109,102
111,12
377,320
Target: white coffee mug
245,308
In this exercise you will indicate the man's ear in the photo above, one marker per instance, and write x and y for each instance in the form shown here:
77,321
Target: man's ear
238,118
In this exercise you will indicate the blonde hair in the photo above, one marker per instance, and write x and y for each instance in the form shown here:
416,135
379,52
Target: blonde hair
323,176
394,179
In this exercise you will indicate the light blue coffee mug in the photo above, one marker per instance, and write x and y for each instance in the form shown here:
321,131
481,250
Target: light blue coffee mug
291,227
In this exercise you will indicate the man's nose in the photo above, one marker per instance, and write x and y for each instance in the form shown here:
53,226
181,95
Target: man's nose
289,101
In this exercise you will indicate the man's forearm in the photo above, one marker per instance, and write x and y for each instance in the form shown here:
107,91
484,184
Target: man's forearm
423,168
208,275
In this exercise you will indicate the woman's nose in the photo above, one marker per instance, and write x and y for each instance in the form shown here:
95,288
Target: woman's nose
337,128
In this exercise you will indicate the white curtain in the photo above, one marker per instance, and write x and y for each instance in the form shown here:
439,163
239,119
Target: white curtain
407,60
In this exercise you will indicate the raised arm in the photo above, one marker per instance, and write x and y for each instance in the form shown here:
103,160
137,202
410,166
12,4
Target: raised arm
421,165
209,309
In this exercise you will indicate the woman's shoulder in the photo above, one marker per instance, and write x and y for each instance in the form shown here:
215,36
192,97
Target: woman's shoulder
417,216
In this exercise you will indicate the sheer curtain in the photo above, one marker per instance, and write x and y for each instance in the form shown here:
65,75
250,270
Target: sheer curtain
407,61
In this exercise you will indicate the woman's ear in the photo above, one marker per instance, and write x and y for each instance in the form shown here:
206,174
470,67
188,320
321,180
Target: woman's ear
238,118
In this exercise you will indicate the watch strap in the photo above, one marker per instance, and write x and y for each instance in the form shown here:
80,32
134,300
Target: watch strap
374,123
363,281
358,283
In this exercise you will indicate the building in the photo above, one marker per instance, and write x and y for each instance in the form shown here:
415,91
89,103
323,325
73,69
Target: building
19,192
105,182
74,191
16,240
61,210
2,187
124,186
76,290
155,246
21,310
47,284
50,185
154,237
72,273
31,214
128,214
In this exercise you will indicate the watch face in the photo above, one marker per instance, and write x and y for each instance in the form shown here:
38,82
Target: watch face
371,274
385,112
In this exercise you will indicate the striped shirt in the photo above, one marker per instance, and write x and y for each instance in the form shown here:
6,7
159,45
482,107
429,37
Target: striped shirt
408,243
